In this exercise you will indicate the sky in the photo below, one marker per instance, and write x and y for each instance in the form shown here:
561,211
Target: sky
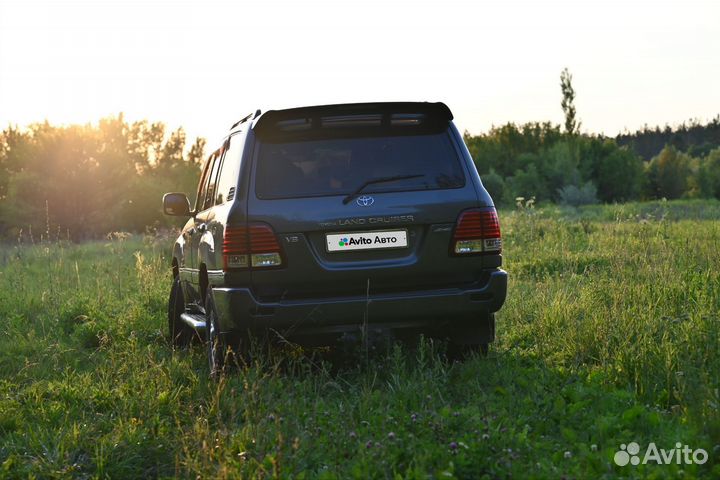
203,65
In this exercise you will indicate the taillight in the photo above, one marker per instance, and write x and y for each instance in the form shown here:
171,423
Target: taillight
254,245
477,231
235,248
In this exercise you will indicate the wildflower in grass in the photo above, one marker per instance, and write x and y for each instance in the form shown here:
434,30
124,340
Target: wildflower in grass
353,435
271,417
486,436
593,448
568,454
453,446
369,444
414,417
391,436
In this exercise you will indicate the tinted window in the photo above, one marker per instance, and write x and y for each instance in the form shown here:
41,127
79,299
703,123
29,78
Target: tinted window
212,182
337,166
202,186
230,169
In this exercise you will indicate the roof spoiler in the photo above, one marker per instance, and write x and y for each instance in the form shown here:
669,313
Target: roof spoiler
246,118
354,119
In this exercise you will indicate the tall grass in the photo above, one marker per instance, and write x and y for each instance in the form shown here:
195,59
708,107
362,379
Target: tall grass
609,335
635,301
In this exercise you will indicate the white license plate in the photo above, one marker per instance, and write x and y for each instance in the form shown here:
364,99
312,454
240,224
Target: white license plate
344,242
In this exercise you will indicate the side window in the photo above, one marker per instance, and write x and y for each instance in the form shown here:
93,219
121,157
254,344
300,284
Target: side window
212,181
202,186
230,170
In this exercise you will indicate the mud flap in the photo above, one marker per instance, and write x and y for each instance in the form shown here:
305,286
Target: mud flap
477,332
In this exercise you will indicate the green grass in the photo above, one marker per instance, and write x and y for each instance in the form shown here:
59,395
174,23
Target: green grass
610,334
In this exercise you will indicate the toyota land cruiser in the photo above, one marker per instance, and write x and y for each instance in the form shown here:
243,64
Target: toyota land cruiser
331,220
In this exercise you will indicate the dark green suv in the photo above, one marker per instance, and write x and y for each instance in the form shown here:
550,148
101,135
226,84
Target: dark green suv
337,220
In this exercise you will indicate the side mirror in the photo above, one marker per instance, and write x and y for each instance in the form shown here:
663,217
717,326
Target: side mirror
176,204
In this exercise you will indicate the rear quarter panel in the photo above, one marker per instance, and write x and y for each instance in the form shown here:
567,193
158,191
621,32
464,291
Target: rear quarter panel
484,199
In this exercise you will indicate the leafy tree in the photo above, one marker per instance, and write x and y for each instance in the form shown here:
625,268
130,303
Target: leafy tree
706,178
89,180
668,174
618,174
712,166
572,125
502,148
171,154
197,151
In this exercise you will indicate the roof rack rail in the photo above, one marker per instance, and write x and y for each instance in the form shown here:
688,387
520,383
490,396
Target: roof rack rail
246,118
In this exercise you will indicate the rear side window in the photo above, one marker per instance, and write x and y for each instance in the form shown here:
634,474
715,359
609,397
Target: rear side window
202,186
337,166
211,182
230,170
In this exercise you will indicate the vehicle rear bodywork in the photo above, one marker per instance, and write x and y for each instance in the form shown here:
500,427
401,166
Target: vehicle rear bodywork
266,257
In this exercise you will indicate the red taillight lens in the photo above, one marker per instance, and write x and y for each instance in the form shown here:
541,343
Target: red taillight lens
255,245
477,231
262,239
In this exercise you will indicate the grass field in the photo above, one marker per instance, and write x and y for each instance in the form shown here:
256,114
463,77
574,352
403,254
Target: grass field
611,334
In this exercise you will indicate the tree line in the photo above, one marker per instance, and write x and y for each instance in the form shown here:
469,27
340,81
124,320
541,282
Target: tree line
540,160
695,138
83,181
552,163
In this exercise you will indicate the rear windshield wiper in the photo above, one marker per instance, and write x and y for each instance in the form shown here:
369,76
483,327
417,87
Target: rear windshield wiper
378,180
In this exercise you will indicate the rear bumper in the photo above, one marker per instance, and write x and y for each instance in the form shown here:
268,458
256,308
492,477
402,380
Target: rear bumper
238,309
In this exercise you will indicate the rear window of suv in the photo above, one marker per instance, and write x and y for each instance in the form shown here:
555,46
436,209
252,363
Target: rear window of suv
337,166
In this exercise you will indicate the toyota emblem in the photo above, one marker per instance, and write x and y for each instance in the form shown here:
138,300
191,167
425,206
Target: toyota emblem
365,201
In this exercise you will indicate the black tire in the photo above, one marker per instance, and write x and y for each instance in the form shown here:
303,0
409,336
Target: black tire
181,333
217,348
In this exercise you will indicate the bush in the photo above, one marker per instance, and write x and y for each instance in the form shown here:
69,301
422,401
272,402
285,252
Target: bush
574,196
495,185
528,182
559,165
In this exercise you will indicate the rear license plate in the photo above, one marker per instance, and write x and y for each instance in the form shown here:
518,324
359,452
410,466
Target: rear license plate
343,242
